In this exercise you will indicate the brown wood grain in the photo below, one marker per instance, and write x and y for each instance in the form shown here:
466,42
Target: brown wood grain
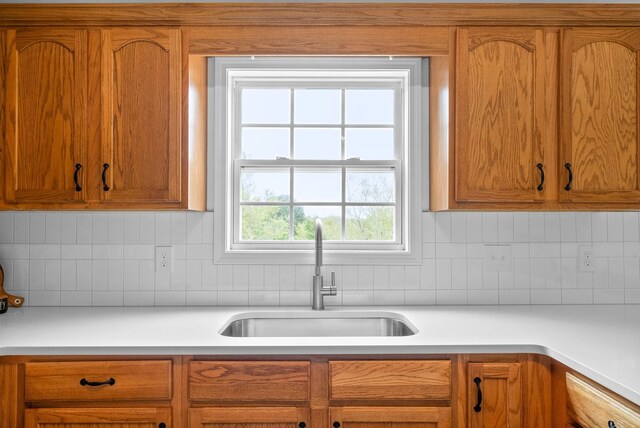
591,407
502,400
391,417
537,396
249,417
196,159
500,111
600,108
322,14
319,40
439,132
268,381
390,380
141,114
60,381
45,111
97,418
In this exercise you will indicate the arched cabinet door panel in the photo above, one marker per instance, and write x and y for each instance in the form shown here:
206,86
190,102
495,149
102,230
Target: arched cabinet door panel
600,87
499,103
45,129
141,140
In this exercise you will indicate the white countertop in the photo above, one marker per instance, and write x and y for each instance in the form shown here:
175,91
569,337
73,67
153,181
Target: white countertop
601,342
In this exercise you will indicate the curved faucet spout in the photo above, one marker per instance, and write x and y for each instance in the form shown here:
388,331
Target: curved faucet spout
318,245
319,289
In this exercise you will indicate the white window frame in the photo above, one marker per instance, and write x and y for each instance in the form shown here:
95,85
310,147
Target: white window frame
224,163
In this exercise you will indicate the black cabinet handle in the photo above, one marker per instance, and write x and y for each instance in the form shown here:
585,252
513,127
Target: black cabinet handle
105,167
109,382
162,425
302,425
75,177
478,407
336,425
541,185
611,424
568,186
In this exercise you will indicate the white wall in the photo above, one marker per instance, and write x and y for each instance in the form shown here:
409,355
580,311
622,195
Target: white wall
100,258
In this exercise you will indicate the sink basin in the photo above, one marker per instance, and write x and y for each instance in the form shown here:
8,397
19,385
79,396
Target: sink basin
278,324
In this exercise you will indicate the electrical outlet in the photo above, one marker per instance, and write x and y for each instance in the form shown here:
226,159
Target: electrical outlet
497,258
163,259
587,258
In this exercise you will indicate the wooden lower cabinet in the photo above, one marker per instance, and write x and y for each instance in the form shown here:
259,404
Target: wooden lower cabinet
250,417
390,417
98,418
495,395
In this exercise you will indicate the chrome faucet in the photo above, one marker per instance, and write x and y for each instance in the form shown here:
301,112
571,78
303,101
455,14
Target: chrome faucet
319,290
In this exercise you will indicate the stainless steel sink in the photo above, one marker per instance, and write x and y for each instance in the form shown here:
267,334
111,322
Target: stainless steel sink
317,325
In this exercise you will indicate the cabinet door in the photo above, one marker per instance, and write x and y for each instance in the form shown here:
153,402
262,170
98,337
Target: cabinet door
141,142
45,108
98,418
600,108
500,115
499,385
390,417
249,417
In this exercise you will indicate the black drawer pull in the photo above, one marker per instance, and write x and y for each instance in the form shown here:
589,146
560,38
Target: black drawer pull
541,185
109,382
478,405
75,177
162,425
336,425
302,425
568,186
611,424
104,177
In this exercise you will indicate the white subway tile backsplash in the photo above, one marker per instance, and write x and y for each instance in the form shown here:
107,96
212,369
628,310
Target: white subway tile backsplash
131,228
116,228
108,259
6,227
84,228
37,228
100,228
630,226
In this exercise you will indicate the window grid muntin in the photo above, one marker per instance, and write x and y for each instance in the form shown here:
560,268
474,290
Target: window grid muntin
400,104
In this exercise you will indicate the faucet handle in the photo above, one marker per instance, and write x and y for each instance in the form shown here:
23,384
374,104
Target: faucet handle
333,282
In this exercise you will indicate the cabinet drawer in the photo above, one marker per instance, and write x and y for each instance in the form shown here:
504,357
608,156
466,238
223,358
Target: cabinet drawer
132,380
249,380
591,407
390,380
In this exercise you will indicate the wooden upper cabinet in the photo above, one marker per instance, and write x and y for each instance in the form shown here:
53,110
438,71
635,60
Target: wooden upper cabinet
499,110
45,115
502,402
141,129
600,83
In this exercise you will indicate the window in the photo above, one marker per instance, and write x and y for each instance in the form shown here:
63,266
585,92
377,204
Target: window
305,138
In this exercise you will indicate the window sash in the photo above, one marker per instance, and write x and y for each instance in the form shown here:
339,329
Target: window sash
383,80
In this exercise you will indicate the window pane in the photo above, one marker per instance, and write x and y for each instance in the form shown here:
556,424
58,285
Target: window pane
313,106
265,143
304,218
369,143
369,223
370,186
316,143
369,106
264,223
264,186
266,106
317,186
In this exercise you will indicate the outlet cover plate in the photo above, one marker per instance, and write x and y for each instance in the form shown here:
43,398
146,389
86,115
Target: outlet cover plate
163,259
586,258
497,258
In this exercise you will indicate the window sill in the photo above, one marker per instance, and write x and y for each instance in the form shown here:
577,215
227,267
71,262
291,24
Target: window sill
307,257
